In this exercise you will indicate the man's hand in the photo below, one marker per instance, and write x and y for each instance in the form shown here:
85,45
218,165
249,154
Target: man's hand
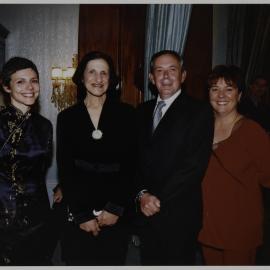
90,226
150,204
107,219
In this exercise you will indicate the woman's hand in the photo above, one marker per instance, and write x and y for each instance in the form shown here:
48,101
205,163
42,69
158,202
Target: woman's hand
90,226
107,219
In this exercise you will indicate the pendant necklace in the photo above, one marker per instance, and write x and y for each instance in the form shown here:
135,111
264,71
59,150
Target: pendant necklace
97,134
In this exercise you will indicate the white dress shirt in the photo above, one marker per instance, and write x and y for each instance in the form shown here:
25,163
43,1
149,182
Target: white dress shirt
167,101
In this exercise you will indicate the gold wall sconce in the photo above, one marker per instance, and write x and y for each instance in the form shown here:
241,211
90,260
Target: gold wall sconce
64,92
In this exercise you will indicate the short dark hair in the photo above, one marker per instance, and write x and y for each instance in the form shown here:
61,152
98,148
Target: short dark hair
78,75
176,55
13,65
231,74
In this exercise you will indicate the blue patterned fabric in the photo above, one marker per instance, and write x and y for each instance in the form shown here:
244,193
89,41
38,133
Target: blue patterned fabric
25,153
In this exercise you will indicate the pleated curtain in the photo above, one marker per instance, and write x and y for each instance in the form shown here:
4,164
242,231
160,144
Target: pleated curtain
166,28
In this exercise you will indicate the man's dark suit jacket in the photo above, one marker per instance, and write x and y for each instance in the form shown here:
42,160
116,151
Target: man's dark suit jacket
172,163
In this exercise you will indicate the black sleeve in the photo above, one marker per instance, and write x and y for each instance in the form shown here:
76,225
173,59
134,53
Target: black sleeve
50,145
71,190
139,183
121,195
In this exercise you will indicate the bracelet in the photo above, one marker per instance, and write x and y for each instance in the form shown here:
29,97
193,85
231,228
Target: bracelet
140,194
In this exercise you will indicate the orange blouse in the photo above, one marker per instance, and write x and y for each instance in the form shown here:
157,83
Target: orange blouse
233,209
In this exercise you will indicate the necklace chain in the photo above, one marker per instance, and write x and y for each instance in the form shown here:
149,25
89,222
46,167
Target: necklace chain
232,123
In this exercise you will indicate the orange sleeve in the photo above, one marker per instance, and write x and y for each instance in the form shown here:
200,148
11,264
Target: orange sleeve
258,145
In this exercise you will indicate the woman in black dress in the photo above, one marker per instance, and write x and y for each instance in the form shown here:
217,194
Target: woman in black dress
25,153
95,155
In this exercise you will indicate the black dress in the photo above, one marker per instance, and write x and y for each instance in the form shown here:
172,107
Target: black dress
96,175
25,152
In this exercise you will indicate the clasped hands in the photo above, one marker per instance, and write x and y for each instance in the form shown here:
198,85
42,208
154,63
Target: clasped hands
94,225
150,204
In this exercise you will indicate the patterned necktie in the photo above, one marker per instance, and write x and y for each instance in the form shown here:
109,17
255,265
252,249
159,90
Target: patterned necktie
158,114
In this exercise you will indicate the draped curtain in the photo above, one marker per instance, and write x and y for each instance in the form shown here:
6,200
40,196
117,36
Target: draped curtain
48,35
236,27
260,45
249,38
166,28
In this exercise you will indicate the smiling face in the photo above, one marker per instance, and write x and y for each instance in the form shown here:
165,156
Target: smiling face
167,75
224,97
96,77
23,89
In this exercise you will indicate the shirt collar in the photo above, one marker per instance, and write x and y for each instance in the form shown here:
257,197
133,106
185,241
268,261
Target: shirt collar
171,99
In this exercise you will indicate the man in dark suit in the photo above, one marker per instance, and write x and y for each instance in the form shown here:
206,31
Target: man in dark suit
173,156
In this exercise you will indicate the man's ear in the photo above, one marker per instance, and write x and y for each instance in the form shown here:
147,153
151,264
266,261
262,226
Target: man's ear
6,89
184,75
151,78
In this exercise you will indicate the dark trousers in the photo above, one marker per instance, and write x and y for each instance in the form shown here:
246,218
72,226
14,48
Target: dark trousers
82,248
166,248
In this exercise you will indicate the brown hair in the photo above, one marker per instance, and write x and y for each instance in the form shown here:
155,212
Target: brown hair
231,74
78,75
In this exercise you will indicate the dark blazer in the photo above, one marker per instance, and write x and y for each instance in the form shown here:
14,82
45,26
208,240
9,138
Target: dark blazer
173,160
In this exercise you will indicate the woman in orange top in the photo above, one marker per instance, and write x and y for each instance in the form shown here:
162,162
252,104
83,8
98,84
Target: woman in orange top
239,166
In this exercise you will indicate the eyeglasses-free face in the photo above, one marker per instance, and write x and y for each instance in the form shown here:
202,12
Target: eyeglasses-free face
96,77
224,97
167,75
23,89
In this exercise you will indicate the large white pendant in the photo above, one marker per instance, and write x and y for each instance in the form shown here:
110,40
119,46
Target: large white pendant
97,134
